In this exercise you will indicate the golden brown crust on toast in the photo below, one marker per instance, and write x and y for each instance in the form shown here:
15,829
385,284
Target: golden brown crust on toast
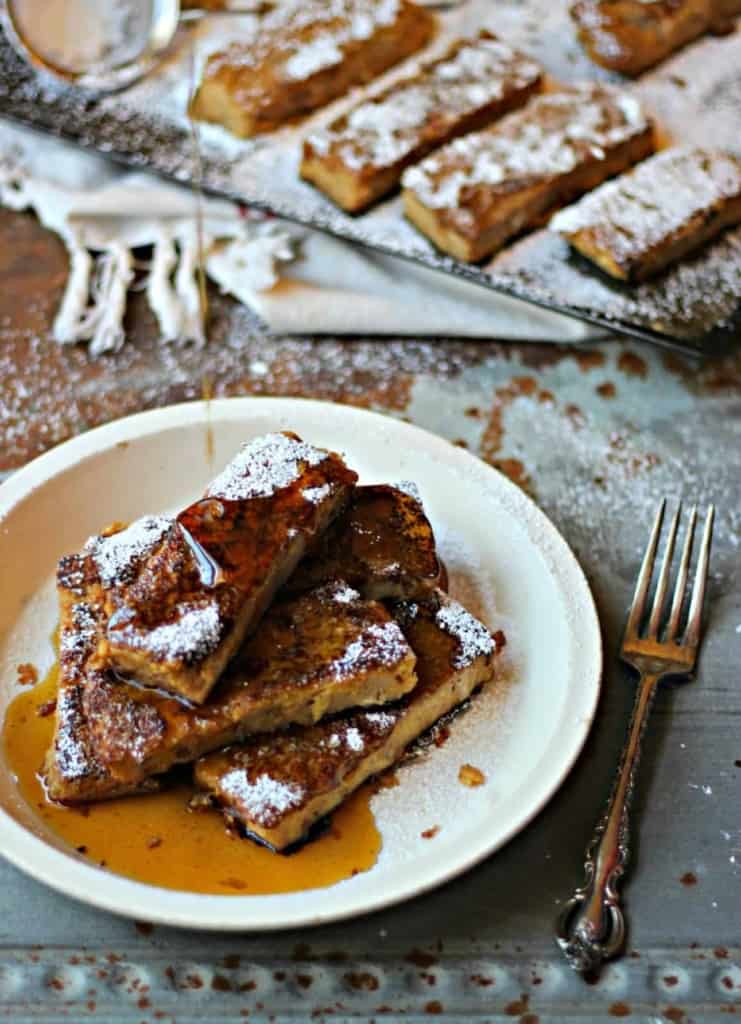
382,544
632,35
473,195
307,53
278,786
73,771
176,621
668,206
360,156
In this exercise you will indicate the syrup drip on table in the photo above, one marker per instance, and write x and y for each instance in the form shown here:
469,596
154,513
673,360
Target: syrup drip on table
155,838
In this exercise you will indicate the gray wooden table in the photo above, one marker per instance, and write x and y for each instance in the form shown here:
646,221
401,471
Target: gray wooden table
596,435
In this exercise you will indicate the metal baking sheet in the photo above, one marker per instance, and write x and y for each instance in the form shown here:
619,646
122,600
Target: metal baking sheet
696,96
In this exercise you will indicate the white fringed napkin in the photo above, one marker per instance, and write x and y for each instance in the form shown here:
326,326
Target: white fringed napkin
299,281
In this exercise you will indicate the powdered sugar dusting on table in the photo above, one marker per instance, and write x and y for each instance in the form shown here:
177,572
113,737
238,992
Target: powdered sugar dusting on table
264,799
263,467
116,557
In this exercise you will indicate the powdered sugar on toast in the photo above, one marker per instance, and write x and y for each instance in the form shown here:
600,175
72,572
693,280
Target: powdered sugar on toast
265,798
335,24
547,138
117,556
343,594
264,466
193,634
71,752
316,494
379,644
645,208
474,639
384,130
78,641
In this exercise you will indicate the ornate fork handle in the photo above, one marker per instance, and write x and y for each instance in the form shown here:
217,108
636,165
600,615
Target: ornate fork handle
591,926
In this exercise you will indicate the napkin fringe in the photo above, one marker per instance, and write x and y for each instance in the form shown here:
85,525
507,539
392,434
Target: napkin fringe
101,265
334,287
94,301
160,294
76,294
187,286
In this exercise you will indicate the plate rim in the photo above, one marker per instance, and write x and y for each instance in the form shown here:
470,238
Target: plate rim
211,912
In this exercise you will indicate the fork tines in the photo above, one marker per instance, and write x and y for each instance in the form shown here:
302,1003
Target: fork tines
653,629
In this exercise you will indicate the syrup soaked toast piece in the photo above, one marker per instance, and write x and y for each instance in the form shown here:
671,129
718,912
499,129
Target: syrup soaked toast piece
382,545
307,53
312,655
73,771
277,787
177,619
479,191
669,205
361,155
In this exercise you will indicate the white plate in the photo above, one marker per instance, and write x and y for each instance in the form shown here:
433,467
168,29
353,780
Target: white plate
506,560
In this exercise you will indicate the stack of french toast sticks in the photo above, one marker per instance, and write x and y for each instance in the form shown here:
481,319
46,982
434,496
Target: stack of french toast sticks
288,634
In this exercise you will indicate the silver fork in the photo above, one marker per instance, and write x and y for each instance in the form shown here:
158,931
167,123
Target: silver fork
591,926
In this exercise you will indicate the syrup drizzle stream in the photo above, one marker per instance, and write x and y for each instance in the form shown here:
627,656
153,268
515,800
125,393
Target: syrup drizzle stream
198,190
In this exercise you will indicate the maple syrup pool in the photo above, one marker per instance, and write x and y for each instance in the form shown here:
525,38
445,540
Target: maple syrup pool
155,839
